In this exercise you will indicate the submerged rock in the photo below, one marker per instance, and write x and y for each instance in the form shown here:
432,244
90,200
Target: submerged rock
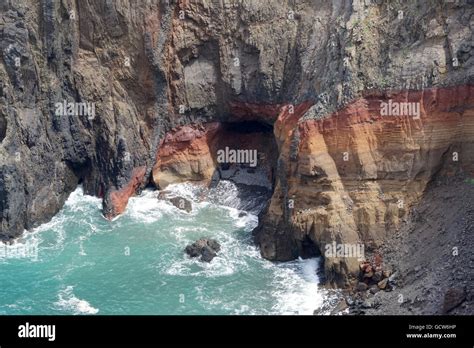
206,248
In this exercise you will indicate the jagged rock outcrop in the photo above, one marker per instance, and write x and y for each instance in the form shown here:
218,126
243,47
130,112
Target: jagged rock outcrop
311,69
103,53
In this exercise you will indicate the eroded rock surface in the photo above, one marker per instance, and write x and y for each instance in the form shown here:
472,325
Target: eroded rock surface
165,78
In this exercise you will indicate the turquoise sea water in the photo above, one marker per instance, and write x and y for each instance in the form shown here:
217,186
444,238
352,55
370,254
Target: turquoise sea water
80,263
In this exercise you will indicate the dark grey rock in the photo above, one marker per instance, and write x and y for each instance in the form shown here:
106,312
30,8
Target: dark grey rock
178,201
182,203
206,248
361,286
207,254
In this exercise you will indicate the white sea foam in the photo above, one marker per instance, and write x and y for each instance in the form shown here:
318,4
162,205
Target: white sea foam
187,190
68,302
245,220
145,208
295,283
294,287
230,259
78,201
297,287
224,264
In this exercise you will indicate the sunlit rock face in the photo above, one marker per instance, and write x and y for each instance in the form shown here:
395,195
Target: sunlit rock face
353,175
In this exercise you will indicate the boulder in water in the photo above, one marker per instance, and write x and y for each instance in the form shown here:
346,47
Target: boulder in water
182,203
179,202
206,248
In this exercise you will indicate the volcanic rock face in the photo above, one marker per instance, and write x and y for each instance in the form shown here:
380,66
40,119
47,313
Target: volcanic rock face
166,78
54,52
353,176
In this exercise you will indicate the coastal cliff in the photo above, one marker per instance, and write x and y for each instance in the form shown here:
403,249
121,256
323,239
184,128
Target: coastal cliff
169,81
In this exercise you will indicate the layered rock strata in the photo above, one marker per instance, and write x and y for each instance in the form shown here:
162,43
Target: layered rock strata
351,177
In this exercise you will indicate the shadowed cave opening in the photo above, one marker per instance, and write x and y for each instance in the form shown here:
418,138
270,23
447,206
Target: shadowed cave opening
246,154
309,249
248,127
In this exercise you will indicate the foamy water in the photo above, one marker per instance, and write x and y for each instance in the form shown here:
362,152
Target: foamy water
85,264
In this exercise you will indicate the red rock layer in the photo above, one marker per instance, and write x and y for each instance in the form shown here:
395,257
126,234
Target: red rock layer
185,154
119,198
355,173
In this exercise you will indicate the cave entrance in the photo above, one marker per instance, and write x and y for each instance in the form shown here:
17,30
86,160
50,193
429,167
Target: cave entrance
308,248
249,127
246,153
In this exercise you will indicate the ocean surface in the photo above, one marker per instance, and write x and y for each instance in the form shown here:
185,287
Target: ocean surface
80,263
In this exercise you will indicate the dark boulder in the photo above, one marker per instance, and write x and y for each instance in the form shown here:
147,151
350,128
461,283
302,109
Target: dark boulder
179,202
206,248
207,254
182,203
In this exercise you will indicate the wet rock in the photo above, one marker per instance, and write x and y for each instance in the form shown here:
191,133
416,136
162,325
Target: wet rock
214,245
178,201
207,254
206,248
453,298
182,203
361,287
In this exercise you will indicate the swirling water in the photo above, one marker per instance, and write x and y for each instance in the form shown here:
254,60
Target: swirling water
80,263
